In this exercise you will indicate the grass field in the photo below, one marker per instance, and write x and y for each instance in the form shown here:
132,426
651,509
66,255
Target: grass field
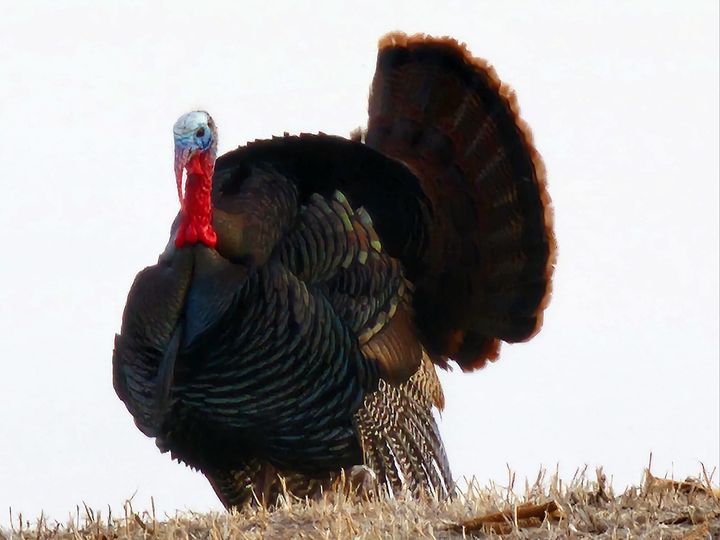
585,508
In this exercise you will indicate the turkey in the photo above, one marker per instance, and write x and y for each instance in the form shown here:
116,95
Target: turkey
290,331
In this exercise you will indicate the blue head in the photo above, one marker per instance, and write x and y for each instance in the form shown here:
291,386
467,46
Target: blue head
195,133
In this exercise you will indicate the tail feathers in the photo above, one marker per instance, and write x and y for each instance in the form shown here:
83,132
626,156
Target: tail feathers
488,266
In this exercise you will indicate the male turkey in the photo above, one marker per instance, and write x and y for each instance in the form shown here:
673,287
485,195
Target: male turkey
291,327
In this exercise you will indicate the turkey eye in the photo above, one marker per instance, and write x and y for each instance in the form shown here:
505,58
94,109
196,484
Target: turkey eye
200,132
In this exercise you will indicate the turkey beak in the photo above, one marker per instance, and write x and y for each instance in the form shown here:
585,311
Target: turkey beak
182,155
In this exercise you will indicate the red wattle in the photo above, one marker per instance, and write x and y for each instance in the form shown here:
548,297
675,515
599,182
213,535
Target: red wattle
196,222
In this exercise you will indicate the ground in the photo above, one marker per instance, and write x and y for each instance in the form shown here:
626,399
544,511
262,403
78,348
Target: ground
660,508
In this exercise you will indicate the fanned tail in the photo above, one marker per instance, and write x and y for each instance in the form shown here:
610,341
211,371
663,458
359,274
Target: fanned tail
486,274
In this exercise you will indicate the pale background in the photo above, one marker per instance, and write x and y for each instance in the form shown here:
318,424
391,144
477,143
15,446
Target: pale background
623,102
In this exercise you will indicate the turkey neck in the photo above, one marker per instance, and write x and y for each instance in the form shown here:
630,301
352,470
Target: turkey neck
196,225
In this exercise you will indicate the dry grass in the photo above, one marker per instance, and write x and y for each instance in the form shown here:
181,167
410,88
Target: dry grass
660,508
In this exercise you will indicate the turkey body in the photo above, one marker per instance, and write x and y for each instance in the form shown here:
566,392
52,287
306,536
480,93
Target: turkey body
305,342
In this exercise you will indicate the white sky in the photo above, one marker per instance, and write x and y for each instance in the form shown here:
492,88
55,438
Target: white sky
623,102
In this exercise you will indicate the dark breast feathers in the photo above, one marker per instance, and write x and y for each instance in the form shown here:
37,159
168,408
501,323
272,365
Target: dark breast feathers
304,344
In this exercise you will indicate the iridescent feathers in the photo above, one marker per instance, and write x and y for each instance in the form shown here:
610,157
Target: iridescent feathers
290,334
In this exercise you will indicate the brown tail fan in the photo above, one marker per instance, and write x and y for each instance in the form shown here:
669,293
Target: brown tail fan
486,275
